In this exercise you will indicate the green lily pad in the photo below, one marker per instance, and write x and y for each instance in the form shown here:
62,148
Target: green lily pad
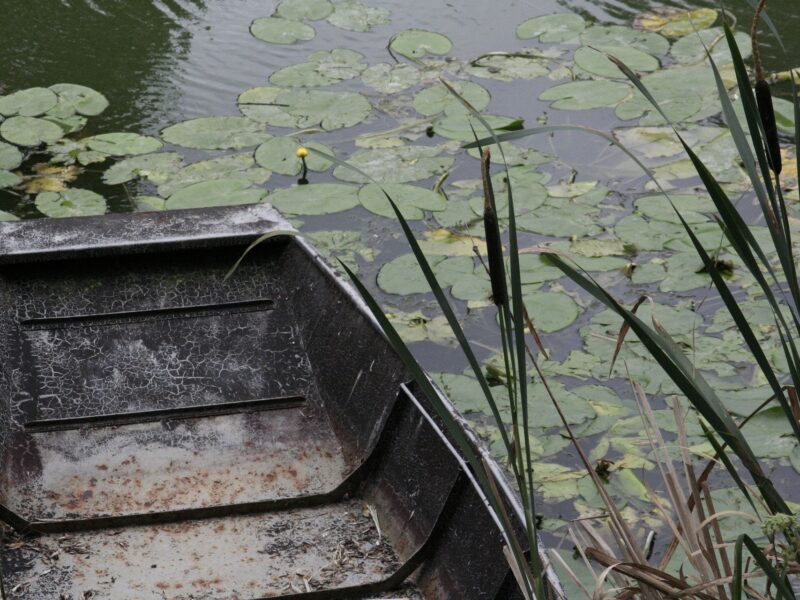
691,48
598,248
234,166
71,124
416,43
31,102
149,203
322,68
277,30
410,199
315,199
677,23
261,104
279,154
551,311
29,131
784,113
395,165
403,276
510,67
621,36
80,99
594,60
9,179
155,167
461,126
556,28
219,192
437,98
390,79
331,110
301,10
10,156
340,245
74,202
355,16
122,144
216,133
692,208
582,95
7,216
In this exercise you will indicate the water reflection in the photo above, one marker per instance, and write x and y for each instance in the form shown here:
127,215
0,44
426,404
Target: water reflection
127,50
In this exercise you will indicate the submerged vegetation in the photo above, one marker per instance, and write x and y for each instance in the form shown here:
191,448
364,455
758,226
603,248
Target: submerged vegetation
606,213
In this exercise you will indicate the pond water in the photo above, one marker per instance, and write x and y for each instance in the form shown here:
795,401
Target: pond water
161,62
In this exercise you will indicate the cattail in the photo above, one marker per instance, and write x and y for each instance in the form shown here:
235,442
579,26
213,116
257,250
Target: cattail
764,98
767,114
494,246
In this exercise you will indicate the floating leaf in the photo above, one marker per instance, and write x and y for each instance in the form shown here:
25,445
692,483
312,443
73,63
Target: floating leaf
556,28
277,30
691,48
10,156
315,199
582,95
31,102
7,216
347,246
784,114
403,276
158,168
675,22
437,98
322,68
597,248
216,133
390,79
619,35
29,131
9,179
261,104
461,126
395,165
149,203
416,43
219,192
122,144
279,154
416,327
80,99
51,178
355,16
233,166
444,242
594,60
690,207
412,200
571,190
71,203
300,10
510,66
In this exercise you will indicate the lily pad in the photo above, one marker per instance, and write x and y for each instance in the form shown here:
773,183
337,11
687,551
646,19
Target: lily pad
347,246
594,60
29,131
692,208
31,102
234,166
7,216
219,192
315,199
677,23
9,179
556,28
155,167
216,133
416,43
300,10
80,99
395,165
149,203
510,66
403,276
122,144
412,200
355,16
437,98
261,104
691,49
551,311
10,156
331,110
277,30
322,68
279,154
390,79
461,126
619,35
74,202
582,95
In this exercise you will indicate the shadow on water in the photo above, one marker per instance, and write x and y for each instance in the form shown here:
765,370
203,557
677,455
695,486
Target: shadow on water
126,49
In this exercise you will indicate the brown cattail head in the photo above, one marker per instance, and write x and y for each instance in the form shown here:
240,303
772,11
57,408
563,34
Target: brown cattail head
767,114
494,246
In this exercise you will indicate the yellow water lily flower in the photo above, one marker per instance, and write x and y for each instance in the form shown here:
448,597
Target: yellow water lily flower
301,152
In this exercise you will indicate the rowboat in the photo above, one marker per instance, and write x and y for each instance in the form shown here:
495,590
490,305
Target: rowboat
167,433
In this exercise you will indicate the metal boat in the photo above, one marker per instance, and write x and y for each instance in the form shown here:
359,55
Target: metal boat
170,434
